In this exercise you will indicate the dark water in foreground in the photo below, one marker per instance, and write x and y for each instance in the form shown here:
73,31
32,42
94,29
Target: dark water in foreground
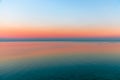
83,71
59,61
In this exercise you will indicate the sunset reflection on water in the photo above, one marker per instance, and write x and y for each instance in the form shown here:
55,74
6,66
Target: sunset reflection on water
22,50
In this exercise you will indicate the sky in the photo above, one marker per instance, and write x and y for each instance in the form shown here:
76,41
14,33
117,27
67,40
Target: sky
59,18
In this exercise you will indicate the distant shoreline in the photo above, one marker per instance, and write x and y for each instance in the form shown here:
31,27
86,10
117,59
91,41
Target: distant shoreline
60,39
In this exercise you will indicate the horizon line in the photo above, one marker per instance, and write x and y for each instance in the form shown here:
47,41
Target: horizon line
61,39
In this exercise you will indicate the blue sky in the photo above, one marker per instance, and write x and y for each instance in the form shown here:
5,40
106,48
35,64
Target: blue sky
60,12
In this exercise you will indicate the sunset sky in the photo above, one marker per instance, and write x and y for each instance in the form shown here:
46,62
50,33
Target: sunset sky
59,18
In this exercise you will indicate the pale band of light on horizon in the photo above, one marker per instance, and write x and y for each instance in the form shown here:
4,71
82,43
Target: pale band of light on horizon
59,18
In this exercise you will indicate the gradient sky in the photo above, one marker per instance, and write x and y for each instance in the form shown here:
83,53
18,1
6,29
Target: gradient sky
59,18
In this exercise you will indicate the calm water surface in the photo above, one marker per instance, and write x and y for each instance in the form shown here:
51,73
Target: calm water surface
59,61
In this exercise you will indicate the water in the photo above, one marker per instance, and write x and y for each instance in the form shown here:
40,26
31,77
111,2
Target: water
59,61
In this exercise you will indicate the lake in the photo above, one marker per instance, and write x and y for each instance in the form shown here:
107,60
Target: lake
59,60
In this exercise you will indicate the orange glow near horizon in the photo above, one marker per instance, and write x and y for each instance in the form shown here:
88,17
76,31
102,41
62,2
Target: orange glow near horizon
57,32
